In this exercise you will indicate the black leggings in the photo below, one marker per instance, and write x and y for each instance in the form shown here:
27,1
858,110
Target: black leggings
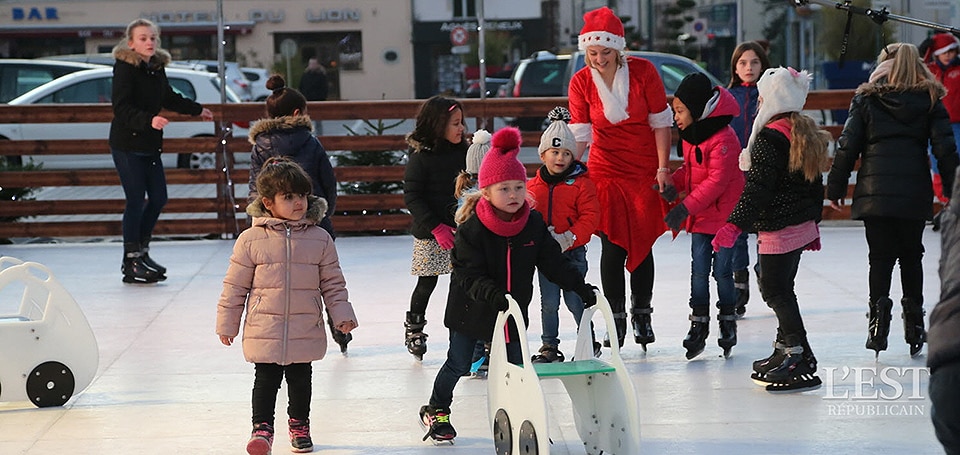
777,284
612,260
421,294
266,384
891,240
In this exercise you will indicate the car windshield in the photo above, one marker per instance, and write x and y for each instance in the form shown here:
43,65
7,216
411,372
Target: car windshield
543,78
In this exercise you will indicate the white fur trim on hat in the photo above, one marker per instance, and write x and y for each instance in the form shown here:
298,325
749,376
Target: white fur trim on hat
781,90
944,42
602,28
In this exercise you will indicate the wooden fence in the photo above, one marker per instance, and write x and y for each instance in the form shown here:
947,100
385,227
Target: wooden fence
222,214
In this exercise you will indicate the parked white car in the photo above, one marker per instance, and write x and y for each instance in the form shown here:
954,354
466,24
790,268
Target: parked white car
95,86
236,80
19,76
258,82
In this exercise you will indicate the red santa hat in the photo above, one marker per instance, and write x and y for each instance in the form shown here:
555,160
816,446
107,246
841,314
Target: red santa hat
500,163
602,28
943,42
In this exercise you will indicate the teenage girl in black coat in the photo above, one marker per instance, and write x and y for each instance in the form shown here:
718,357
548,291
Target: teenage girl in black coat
140,91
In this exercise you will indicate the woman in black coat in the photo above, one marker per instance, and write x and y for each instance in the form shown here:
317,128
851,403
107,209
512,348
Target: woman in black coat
140,91
893,119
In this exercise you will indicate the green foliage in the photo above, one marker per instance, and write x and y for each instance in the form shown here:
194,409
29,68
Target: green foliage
866,37
384,158
497,49
674,18
16,194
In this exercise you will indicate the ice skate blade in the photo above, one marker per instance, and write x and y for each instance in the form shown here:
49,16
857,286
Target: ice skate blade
131,280
692,355
802,383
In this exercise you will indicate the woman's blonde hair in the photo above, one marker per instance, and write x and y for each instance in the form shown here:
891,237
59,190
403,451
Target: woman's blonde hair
128,33
468,207
621,59
808,146
908,70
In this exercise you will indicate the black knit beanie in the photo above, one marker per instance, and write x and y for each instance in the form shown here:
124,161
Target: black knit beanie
695,91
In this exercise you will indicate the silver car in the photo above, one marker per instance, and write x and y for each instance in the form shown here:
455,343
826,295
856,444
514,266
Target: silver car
95,86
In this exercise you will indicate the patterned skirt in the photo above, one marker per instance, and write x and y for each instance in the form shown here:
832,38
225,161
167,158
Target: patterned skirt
429,259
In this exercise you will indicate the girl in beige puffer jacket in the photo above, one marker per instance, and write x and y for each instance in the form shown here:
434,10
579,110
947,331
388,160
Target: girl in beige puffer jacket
283,270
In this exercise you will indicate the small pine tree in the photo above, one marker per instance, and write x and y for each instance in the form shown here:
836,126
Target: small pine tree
373,158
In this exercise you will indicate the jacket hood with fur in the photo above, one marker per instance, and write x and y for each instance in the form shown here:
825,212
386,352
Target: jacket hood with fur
121,52
316,207
286,122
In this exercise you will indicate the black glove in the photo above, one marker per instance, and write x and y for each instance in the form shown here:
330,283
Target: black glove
500,302
676,216
588,293
669,193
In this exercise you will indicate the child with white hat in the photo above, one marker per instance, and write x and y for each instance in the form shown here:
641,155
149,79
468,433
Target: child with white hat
567,199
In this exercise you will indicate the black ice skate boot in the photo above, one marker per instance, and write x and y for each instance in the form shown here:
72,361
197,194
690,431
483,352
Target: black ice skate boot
149,262
642,328
762,366
436,421
341,338
416,340
618,308
879,325
741,282
797,372
133,268
727,321
299,432
914,331
696,339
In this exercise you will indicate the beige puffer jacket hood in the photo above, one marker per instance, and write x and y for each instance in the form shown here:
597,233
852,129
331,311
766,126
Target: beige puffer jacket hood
281,274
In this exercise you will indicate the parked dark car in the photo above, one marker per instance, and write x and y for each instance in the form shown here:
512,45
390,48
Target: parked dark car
672,69
539,75
492,85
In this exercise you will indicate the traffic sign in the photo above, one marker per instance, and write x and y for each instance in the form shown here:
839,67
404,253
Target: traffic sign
459,36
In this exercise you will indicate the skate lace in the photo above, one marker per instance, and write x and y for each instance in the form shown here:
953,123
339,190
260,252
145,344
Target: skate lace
299,429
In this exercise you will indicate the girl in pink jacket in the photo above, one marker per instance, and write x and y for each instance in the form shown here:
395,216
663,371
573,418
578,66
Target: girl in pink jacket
283,270
712,181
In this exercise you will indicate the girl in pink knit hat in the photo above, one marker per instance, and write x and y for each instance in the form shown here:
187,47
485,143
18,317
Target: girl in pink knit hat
499,244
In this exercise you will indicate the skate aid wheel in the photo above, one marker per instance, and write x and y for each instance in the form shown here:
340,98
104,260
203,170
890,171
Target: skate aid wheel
502,433
528,439
50,384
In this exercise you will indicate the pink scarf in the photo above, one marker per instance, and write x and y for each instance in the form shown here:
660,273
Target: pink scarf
489,218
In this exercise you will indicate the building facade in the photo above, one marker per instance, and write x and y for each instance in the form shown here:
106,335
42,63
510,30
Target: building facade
364,44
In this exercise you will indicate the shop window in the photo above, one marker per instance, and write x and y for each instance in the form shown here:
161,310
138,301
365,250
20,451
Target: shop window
464,8
350,49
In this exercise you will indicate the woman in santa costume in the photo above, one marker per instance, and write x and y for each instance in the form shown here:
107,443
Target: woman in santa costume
619,109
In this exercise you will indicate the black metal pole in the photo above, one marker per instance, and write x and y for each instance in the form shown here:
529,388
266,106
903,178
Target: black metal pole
882,15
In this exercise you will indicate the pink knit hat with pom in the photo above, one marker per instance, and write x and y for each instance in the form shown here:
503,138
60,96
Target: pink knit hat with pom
500,163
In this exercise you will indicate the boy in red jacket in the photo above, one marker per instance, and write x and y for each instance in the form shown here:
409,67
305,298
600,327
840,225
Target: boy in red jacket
567,199
713,182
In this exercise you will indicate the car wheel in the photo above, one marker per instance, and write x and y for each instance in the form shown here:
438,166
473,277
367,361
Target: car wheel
197,160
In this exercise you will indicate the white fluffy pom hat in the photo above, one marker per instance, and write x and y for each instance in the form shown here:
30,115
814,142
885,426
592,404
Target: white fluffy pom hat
781,90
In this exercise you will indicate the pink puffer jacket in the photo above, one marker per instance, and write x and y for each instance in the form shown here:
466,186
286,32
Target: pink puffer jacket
285,272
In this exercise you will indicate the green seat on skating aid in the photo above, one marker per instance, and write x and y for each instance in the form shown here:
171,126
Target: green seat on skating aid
604,401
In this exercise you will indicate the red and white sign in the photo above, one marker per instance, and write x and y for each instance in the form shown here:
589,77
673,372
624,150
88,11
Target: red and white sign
459,36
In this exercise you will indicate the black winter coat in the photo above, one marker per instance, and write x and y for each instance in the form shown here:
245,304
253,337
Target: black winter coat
481,272
888,131
775,197
139,91
428,184
293,137
943,339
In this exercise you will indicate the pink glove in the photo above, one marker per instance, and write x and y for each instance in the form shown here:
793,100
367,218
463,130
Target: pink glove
725,237
444,235
813,246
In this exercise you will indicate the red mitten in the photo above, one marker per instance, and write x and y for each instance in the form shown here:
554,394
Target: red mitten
444,235
813,246
726,236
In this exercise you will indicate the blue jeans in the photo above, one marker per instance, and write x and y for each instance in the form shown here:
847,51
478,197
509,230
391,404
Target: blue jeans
459,358
702,260
550,299
141,174
741,254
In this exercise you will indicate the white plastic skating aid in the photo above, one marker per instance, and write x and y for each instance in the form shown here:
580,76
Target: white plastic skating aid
604,400
48,351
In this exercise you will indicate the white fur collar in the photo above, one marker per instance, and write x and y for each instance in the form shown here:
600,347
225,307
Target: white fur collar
615,100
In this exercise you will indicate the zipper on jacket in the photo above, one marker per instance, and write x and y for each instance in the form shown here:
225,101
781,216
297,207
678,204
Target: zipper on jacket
286,292
550,204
